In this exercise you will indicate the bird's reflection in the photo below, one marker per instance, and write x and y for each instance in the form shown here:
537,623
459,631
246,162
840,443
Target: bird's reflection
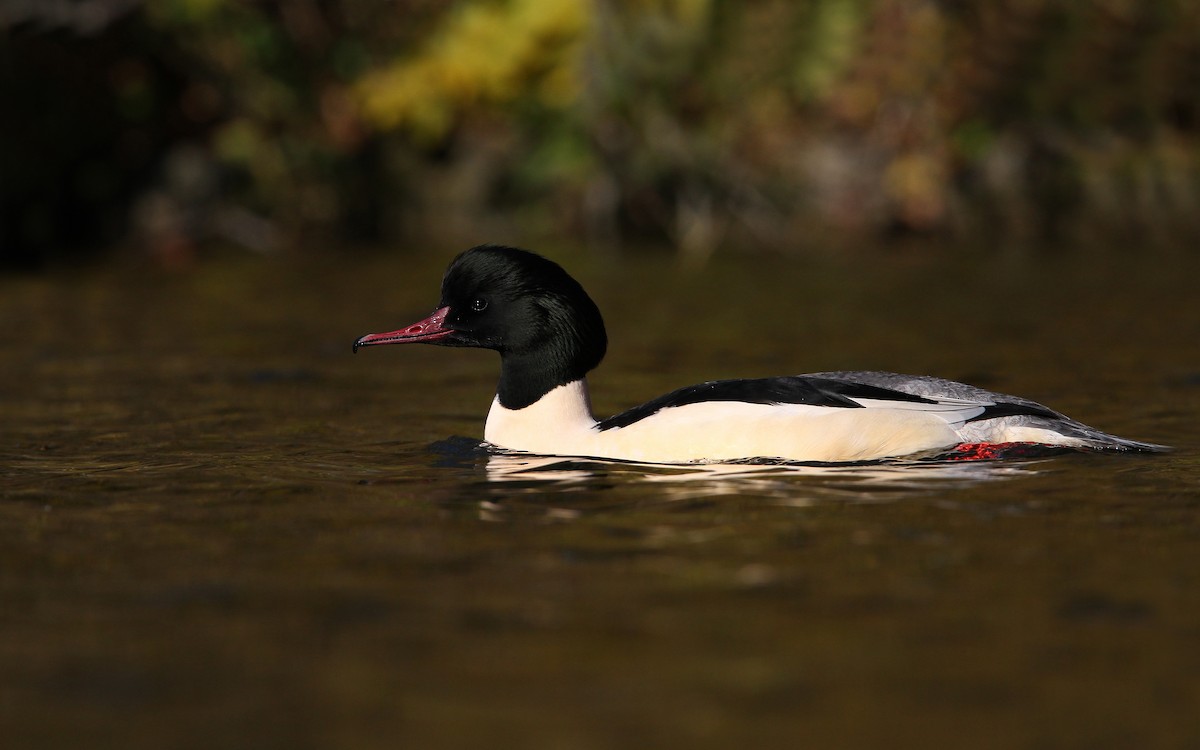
795,484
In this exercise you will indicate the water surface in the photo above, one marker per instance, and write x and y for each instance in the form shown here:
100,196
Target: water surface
220,529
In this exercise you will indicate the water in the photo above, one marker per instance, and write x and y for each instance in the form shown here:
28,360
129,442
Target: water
220,529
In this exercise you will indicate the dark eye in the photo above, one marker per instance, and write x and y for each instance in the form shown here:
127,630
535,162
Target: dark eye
479,304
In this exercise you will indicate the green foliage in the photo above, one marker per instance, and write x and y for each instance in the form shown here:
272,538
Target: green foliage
696,121
830,39
766,119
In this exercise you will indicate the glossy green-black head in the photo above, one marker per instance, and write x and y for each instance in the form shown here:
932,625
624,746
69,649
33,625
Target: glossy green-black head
545,326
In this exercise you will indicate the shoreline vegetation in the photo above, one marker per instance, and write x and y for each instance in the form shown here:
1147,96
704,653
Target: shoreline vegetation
698,124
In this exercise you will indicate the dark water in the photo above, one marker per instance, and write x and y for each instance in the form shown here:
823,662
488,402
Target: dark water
220,529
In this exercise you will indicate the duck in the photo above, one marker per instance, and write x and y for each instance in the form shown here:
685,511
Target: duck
550,335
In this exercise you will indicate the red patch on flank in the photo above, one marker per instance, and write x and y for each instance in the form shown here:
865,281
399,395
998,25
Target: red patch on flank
993,451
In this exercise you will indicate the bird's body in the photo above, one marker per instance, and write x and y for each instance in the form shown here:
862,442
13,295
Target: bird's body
550,335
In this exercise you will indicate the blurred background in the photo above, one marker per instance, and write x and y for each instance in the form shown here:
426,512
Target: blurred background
168,127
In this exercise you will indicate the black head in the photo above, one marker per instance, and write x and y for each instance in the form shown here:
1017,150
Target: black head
546,328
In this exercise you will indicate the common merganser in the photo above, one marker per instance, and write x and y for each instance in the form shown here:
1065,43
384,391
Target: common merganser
550,334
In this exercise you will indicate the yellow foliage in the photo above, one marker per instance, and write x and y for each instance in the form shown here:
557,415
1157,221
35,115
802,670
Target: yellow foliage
916,184
486,53
834,39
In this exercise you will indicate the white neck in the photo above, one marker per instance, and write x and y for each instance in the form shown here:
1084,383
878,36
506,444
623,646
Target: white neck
557,423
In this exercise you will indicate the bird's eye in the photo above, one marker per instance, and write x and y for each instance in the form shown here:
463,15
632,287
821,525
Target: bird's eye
479,304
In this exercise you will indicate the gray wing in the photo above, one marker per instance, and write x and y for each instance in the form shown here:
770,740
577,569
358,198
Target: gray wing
926,386
1012,409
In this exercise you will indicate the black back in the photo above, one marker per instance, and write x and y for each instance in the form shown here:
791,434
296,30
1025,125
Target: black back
796,389
802,389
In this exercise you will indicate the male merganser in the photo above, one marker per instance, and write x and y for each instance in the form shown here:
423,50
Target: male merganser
550,334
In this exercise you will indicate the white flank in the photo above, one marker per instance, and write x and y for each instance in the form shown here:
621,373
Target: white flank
561,424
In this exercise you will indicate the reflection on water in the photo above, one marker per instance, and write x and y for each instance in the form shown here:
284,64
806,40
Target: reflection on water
792,484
